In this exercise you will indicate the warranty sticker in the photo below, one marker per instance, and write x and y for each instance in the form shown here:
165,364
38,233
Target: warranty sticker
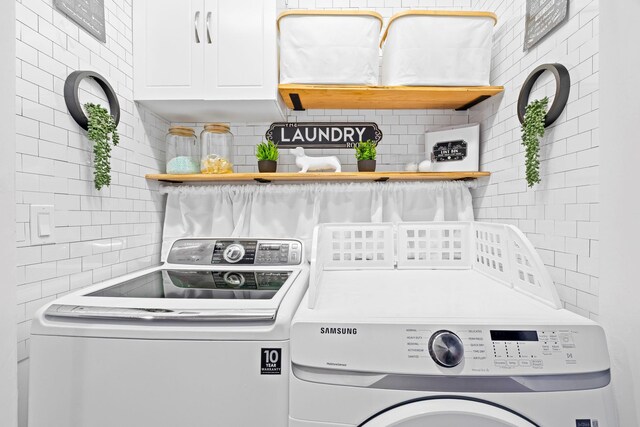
271,361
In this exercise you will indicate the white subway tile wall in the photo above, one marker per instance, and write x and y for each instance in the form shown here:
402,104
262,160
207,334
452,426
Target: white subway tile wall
560,215
99,234
107,233
402,142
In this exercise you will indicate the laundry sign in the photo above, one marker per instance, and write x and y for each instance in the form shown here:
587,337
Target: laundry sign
322,135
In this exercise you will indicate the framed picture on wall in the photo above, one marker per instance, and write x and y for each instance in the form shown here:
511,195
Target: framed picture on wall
88,14
542,17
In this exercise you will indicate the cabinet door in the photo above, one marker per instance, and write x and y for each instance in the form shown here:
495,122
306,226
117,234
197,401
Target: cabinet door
241,52
168,49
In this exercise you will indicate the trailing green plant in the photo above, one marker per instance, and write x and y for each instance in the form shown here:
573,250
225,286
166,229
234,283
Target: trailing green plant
267,151
365,150
102,131
532,131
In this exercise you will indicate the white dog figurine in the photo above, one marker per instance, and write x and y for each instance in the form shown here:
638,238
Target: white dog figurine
310,164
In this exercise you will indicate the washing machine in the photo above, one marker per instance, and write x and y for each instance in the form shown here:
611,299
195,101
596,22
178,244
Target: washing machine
202,340
446,324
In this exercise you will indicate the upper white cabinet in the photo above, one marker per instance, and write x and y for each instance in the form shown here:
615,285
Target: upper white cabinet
201,60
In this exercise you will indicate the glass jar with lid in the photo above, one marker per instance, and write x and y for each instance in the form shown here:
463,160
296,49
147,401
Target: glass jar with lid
217,149
183,151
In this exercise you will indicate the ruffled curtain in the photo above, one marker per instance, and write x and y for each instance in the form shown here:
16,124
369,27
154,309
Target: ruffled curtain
286,211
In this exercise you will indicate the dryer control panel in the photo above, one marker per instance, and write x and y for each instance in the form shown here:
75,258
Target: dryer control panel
236,252
530,349
503,350
452,349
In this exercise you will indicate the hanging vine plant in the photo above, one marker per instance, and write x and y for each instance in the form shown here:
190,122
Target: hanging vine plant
102,132
532,131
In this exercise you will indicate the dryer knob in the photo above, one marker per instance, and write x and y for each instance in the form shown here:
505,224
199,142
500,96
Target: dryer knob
233,253
446,349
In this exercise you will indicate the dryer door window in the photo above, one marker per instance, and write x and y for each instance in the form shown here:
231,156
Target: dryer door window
448,412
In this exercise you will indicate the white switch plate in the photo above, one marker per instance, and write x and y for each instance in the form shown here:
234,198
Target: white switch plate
42,224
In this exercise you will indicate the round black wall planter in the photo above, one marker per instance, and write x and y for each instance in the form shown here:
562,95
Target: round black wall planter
73,102
563,87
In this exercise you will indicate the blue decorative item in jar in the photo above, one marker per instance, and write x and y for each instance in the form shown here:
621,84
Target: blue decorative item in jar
183,151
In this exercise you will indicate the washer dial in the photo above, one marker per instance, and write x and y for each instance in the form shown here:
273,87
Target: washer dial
446,349
233,253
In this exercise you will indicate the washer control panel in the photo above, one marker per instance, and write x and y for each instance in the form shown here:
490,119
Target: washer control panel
235,252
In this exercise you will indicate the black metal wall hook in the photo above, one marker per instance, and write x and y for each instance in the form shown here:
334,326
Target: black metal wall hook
71,86
563,87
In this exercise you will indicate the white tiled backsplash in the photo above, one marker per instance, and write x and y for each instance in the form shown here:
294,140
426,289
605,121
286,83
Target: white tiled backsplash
402,142
560,215
107,233
99,234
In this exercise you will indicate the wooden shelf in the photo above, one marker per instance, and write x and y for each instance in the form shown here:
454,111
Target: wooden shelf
301,97
319,176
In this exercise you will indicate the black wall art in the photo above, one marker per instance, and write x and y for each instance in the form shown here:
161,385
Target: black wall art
72,99
542,17
322,135
563,88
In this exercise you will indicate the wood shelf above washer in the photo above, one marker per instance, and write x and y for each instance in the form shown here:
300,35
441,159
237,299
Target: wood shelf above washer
304,97
319,176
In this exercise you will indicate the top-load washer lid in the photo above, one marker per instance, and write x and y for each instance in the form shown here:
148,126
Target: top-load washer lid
223,294
195,284
204,279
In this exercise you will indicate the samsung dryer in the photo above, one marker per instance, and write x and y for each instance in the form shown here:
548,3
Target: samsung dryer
442,325
202,340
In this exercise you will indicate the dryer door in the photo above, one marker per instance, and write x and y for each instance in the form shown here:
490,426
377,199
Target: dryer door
448,412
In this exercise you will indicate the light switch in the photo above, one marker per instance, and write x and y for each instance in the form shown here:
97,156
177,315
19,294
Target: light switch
42,224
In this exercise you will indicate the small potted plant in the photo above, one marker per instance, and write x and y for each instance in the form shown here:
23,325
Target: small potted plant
267,155
366,155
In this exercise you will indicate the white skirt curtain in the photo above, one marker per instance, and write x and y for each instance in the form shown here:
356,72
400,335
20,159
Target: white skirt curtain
292,211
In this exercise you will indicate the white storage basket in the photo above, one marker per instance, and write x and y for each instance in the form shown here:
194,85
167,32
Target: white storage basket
329,47
438,48
499,251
